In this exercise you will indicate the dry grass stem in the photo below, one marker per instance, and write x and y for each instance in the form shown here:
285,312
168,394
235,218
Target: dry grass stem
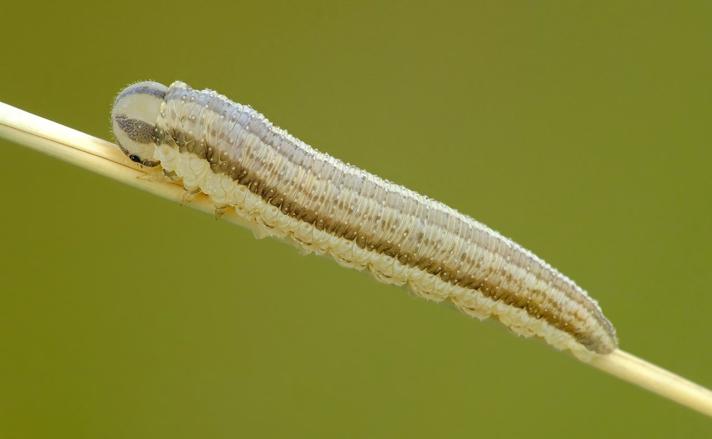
106,159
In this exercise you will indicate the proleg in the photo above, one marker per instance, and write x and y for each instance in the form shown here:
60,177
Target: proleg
282,187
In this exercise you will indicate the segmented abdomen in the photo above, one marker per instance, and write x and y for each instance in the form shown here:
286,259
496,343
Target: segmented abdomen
288,189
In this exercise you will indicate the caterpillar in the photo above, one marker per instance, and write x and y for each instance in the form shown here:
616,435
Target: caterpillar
284,188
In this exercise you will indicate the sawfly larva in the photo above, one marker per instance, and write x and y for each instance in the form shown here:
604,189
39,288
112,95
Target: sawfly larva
282,187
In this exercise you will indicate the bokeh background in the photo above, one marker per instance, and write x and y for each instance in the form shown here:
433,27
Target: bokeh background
580,129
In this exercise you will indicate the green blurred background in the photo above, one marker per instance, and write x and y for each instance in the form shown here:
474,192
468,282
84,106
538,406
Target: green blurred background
580,129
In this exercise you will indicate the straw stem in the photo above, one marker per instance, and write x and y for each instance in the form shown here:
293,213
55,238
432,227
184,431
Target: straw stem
105,158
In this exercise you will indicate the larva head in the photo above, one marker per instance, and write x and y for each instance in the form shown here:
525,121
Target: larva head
134,117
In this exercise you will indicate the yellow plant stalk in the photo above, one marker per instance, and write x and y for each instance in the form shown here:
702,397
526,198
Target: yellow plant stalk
105,158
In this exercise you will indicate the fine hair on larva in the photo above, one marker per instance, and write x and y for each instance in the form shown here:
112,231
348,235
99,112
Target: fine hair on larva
282,187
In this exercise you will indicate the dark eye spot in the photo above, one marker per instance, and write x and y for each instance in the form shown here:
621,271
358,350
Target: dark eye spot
135,158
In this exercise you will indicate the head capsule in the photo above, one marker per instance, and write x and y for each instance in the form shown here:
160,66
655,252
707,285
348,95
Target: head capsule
133,120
